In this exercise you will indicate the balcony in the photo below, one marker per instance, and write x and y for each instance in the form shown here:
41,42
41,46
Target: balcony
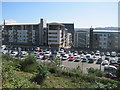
52,39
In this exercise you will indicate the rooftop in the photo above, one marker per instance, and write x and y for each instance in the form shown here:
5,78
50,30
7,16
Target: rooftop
102,31
22,24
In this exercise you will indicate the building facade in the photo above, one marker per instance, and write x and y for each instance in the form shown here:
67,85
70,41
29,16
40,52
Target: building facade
105,39
57,35
81,39
35,35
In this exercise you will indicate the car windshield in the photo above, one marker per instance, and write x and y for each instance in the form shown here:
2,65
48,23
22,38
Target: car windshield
84,59
64,56
77,58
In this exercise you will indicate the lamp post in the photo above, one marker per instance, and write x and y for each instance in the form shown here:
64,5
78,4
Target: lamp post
100,63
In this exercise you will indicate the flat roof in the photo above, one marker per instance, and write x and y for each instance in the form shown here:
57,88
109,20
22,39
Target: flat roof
23,24
54,23
105,31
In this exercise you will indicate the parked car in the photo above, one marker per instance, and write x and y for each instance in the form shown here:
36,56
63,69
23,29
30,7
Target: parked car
88,56
84,60
92,53
85,53
106,58
112,62
99,61
47,53
110,75
118,54
61,51
105,62
113,54
65,57
71,58
102,53
75,54
97,53
39,56
77,59
90,60
80,52
118,61
107,53
14,53
112,59
95,58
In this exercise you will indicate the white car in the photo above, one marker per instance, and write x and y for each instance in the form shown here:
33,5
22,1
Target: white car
113,54
47,53
39,56
75,54
14,53
65,57
105,62
24,53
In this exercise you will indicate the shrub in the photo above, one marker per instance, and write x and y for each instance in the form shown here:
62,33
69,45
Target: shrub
41,75
7,57
29,64
97,72
11,79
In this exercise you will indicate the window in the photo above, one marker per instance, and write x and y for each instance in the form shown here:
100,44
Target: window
52,37
52,33
104,43
52,40
54,27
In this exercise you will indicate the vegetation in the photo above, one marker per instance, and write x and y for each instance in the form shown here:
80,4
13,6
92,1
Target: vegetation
16,74
96,72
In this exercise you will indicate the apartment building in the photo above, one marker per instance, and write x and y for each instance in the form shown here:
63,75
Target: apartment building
32,35
81,39
105,39
57,35
24,34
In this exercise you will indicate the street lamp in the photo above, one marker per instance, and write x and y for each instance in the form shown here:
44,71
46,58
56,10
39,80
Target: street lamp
100,63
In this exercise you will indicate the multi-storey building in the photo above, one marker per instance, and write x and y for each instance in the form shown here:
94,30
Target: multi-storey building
35,35
24,34
105,39
81,39
97,39
57,35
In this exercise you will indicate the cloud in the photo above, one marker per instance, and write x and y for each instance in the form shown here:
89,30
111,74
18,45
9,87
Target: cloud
9,21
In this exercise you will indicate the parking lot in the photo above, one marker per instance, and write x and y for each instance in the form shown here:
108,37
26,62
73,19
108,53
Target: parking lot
68,58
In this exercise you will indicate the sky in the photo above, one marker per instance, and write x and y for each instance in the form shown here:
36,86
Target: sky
82,14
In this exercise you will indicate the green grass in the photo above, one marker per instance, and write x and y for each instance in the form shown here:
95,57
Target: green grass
14,77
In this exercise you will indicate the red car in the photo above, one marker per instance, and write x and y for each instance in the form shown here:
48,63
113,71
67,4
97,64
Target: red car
71,58
41,50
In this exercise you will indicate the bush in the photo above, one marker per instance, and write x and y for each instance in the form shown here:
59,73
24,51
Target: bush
97,72
11,79
41,75
7,57
29,64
